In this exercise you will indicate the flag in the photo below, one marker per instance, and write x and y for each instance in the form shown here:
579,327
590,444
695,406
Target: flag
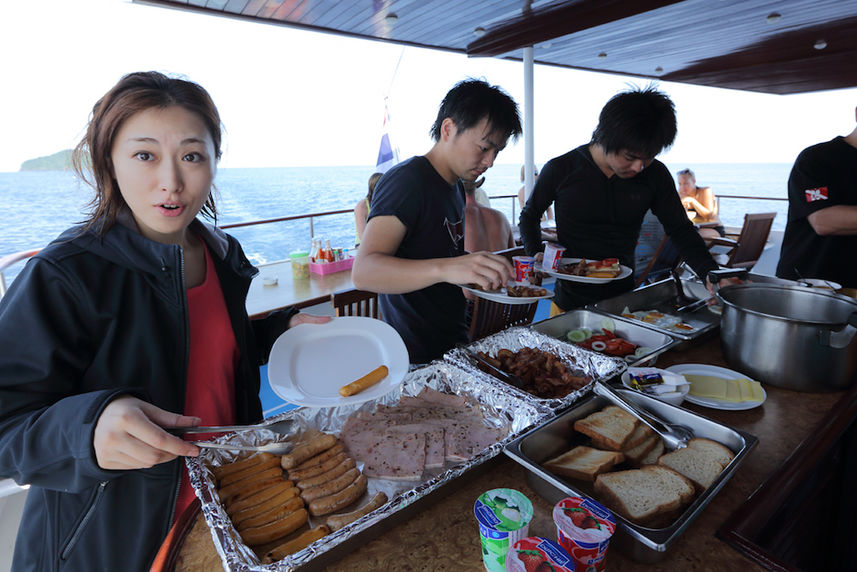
388,155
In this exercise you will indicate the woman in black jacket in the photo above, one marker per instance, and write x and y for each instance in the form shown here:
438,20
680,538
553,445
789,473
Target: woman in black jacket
132,322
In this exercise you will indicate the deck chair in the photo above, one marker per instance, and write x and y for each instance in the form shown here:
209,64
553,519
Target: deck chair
746,250
489,317
356,303
665,258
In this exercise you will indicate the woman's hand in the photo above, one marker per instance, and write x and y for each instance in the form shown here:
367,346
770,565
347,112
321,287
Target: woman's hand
301,318
129,434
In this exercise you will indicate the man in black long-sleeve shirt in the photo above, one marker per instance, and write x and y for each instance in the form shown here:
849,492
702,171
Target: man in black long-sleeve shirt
602,191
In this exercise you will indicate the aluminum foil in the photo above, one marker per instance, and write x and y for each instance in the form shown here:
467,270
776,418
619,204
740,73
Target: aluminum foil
596,365
501,406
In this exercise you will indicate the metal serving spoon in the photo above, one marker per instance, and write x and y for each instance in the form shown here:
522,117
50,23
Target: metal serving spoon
283,427
278,448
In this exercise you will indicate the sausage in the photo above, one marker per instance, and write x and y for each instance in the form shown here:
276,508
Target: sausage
364,382
266,505
337,521
235,488
316,470
249,499
340,500
223,470
249,471
271,532
307,450
295,544
347,463
318,459
331,487
246,519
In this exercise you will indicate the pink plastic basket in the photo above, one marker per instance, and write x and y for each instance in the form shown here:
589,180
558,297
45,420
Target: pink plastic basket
331,267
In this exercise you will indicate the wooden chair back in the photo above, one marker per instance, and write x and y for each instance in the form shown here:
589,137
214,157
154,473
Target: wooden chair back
665,258
356,303
745,251
490,317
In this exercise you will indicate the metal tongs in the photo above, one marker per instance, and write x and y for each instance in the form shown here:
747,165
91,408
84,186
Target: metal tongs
284,427
509,378
674,436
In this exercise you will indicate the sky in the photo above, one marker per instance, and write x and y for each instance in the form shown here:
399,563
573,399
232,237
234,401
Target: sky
289,97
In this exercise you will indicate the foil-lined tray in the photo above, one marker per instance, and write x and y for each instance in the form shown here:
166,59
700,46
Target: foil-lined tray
499,406
594,365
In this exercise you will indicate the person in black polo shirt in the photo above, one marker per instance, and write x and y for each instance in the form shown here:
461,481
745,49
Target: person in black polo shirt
602,191
821,232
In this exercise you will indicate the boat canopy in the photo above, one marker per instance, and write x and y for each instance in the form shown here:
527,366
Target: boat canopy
767,46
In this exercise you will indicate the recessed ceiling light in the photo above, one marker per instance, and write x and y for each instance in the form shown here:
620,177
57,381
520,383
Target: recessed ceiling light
819,44
545,46
391,18
602,55
773,17
659,69
479,32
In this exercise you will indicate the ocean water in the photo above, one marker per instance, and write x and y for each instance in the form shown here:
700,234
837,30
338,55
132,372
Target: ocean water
38,206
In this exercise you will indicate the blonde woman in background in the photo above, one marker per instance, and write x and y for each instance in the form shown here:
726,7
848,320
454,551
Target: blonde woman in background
699,202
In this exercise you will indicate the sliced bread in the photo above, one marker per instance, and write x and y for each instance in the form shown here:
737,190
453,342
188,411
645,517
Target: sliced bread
637,453
640,435
644,495
652,456
583,463
610,428
701,461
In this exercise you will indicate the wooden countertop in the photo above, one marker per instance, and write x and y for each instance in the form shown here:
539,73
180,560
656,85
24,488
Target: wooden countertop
444,532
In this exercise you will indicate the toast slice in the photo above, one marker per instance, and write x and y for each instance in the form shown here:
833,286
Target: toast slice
610,428
642,433
637,453
652,456
701,461
644,495
584,463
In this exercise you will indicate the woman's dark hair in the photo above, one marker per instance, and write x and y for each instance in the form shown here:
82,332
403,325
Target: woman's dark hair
373,180
641,121
472,100
134,93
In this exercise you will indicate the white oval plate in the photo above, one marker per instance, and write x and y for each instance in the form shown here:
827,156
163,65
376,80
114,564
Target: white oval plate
625,272
504,298
310,362
713,370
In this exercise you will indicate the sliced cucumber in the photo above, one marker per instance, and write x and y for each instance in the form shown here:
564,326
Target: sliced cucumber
587,332
641,351
608,324
576,336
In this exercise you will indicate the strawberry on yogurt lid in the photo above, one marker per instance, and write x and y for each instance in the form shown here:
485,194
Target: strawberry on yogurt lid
584,520
537,554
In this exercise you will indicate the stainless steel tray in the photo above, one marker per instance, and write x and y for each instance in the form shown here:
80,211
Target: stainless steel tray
499,408
633,331
661,296
595,365
640,543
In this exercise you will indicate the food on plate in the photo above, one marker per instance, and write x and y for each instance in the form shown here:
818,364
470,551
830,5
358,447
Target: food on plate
611,428
299,543
732,390
644,496
701,461
606,268
606,342
544,374
659,319
522,291
364,382
584,463
340,500
402,441
337,521
305,451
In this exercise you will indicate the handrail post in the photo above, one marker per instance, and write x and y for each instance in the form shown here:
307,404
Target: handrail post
311,229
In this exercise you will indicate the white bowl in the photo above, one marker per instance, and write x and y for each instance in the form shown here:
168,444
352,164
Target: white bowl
673,398
819,283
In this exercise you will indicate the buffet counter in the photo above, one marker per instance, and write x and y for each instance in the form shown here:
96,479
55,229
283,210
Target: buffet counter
441,533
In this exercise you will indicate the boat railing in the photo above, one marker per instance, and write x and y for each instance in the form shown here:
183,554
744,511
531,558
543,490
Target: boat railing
10,259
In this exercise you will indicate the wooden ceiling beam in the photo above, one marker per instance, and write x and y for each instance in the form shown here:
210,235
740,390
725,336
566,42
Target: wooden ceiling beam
533,27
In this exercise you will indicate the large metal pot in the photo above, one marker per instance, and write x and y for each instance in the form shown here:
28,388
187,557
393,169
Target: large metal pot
789,336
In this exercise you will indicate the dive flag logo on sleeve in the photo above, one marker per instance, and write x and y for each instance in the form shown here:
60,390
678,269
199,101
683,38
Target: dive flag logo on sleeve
817,194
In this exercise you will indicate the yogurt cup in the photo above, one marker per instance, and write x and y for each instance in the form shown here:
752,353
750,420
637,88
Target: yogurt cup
504,517
523,267
530,553
584,529
553,254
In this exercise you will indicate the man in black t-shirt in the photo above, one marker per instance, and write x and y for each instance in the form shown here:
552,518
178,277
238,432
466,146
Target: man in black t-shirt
602,190
821,233
412,251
